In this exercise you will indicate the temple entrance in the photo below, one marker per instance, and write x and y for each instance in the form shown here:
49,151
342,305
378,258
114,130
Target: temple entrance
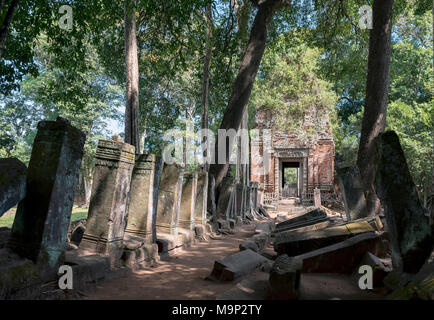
290,179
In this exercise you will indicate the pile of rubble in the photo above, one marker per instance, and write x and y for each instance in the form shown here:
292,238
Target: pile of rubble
391,255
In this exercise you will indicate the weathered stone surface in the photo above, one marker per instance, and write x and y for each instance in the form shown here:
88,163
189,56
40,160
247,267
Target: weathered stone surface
285,278
226,188
138,253
312,227
380,268
295,243
41,223
352,191
12,183
108,205
344,256
237,265
410,232
239,203
255,243
140,204
200,210
188,201
264,227
254,195
317,197
315,216
169,199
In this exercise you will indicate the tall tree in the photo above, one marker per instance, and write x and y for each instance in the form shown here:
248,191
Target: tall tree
377,88
132,77
242,86
206,72
9,10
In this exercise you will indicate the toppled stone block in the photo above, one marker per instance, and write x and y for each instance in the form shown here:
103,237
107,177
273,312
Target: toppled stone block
344,256
351,187
12,183
42,219
410,231
232,223
237,265
264,227
223,224
295,243
140,256
285,278
311,217
380,268
256,243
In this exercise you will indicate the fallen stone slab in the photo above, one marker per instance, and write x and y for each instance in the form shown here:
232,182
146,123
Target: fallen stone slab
296,243
12,183
312,227
285,278
237,265
256,243
313,214
4,236
264,227
344,256
411,235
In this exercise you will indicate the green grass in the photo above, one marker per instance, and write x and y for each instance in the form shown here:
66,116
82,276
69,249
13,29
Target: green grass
77,214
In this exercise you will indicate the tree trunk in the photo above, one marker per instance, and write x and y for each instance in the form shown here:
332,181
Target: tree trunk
132,77
4,27
206,74
377,88
242,86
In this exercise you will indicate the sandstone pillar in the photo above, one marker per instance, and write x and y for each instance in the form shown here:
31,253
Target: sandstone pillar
107,210
188,201
411,235
42,219
200,217
12,183
317,197
140,207
169,199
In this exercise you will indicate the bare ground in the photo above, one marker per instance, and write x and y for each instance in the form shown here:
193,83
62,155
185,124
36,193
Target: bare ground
181,277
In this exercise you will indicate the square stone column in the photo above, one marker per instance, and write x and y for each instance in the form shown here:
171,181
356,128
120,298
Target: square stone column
169,199
188,201
107,210
140,205
42,219
254,194
239,204
227,185
200,210
317,197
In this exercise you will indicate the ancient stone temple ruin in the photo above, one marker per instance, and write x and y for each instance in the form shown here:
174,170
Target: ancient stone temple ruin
308,150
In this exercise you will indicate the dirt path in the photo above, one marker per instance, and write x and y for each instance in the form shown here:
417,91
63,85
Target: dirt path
181,277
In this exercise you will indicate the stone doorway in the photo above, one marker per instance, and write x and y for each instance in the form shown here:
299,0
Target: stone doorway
290,177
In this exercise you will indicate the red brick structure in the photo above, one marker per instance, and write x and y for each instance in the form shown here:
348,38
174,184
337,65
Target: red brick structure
310,150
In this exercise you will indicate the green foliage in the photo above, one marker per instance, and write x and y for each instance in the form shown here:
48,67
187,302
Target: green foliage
289,86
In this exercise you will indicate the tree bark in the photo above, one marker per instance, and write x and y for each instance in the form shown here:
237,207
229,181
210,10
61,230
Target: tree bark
206,74
132,77
242,86
377,88
4,27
